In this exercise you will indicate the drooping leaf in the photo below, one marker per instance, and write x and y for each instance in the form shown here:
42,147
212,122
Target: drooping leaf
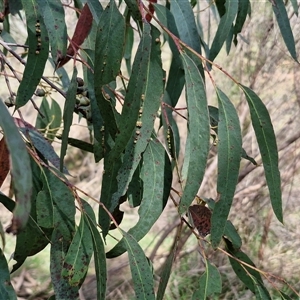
210,282
224,27
265,136
82,29
231,233
229,156
157,179
59,247
140,269
136,187
20,169
6,289
53,14
295,6
77,259
4,161
285,27
150,101
95,8
37,55
68,116
240,18
261,292
198,131
52,118
99,252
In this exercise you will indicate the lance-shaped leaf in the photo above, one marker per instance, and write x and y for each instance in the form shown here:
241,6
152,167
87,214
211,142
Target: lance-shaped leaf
198,131
249,276
79,255
95,8
53,14
108,55
285,26
229,156
82,29
140,269
68,116
157,178
59,247
295,6
225,25
266,139
20,169
153,89
240,18
6,289
38,43
99,251
210,282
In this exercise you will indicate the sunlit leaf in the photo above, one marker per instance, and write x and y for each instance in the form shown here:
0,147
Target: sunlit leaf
198,131
229,156
265,135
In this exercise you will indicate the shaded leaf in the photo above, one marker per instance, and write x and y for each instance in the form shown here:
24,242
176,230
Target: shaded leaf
150,101
224,27
229,156
231,233
77,259
99,251
198,131
261,292
38,43
285,27
4,161
140,270
295,6
265,136
240,18
68,116
53,14
157,178
20,169
52,118
210,282
6,289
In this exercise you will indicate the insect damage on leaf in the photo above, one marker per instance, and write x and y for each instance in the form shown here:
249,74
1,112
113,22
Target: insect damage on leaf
201,216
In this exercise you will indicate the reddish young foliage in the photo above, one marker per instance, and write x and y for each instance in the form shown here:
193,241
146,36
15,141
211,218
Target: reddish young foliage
4,161
151,9
82,30
201,216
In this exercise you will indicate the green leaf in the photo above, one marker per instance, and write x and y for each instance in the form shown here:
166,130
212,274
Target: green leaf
265,135
261,292
231,7
77,260
95,8
135,188
140,269
153,90
37,55
157,179
68,116
20,169
6,289
240,18
53,14
198,131
295,6
99,251
52,118
231,233
59,247
210,282
229,156
285,27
